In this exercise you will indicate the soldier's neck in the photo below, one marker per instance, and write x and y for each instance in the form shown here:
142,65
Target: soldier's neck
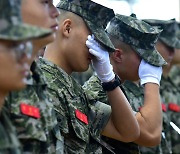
166,71
55,54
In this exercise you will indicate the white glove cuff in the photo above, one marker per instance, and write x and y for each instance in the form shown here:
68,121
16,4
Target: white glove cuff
149,80
108,77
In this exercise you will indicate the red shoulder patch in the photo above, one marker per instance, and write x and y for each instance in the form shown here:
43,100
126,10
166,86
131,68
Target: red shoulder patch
30,110
81,116
174,107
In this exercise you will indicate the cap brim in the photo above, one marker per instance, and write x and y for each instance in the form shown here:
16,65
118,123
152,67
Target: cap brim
152,56
172,42
100,35
23,31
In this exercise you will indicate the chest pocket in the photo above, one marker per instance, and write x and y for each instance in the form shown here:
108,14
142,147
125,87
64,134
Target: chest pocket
78,114
28,127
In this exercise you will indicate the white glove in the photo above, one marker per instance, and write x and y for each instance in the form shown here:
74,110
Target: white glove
149,73
100,61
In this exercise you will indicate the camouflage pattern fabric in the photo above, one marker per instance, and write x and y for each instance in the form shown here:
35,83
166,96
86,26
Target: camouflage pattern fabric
139,35
79,120
135,95
9,143
94,88
152,150
169,33
174,75
36,134
170,94
165,146
11,26
95,16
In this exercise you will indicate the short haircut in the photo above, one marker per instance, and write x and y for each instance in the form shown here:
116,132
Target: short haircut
120,44
63,14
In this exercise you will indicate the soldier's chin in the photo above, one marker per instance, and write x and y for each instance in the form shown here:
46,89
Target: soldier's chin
18,86
42,42
82,68
50,38
22,84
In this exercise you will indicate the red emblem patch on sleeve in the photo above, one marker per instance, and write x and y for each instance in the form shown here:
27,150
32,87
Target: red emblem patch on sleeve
81,116
30,110
174,107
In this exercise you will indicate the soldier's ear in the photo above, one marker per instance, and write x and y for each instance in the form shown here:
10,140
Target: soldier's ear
117,55
67,27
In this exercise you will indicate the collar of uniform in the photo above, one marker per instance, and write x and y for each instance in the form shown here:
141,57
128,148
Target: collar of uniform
38,70
56,71
29,79
137,91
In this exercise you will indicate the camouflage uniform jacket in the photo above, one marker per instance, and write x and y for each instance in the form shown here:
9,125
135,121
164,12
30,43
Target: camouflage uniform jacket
9,143
93,87
31,112
165,146
170,96
80,121
135,95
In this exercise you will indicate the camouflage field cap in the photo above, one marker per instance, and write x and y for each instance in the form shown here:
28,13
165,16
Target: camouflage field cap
11,26
169,33
95,16
139,35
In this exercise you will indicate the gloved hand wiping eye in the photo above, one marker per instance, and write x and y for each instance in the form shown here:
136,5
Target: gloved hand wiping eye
100,61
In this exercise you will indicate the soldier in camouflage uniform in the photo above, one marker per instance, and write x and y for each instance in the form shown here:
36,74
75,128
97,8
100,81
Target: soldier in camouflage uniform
81,122
31,109
169,90
135,57
15,50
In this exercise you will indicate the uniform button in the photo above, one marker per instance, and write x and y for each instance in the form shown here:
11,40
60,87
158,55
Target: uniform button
50,99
